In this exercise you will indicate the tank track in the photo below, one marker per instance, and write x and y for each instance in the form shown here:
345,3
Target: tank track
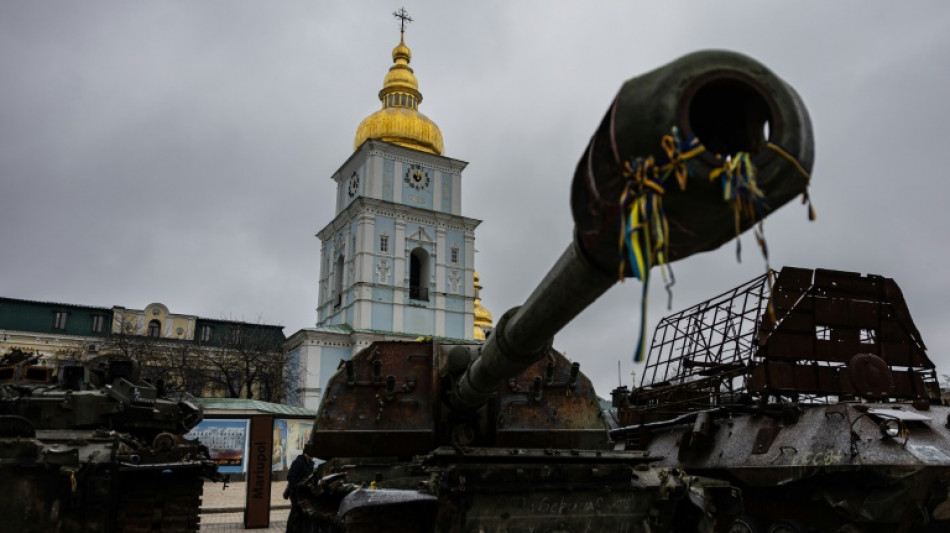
153,501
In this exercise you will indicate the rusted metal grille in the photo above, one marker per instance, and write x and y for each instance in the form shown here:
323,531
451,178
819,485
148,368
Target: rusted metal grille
829,336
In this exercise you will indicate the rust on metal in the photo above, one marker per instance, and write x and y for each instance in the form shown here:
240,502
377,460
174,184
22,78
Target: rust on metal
402,415
815,395
834,334
359,417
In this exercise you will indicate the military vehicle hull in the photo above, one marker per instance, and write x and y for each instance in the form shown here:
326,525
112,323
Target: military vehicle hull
396,459
509,435
830,468
519,490
816,399
67,473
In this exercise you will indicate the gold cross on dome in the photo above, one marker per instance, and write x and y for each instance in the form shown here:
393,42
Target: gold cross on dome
403,17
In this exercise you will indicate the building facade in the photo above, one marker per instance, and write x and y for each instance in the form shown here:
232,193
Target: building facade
398,259
190,353
52,330
398,256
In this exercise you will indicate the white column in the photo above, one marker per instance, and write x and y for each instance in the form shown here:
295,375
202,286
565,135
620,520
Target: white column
469,289
436,188
367,247
399,273
398,171
310,357
442,255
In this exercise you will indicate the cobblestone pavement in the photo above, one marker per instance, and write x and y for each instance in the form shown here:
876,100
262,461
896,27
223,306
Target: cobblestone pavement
222,509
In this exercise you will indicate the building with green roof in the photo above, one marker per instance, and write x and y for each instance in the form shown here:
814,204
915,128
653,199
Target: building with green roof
186,351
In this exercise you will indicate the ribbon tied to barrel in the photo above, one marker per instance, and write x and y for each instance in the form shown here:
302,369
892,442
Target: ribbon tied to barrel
644,228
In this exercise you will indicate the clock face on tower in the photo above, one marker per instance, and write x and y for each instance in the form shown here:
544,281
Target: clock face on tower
417,177
354,184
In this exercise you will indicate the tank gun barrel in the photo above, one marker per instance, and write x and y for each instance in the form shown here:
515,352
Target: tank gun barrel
722,104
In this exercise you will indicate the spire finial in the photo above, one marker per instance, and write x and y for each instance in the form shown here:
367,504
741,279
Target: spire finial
404,19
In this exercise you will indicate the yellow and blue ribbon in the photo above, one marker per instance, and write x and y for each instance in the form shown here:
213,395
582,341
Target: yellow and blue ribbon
739,188
644,228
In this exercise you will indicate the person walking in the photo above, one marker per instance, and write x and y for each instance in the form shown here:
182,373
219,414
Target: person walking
300,469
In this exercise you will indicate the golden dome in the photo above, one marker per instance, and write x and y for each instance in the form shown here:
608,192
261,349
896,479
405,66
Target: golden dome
399,121
483,318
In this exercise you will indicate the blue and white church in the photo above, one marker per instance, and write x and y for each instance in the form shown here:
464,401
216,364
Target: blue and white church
398,260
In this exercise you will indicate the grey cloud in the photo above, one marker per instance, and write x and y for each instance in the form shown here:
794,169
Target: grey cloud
181,151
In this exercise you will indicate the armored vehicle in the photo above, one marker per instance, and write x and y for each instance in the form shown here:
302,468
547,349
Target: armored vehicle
95,449
813,394
508,435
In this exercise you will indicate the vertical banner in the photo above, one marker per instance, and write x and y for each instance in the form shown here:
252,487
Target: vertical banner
260,443
280,461
298,434
290,436
226,441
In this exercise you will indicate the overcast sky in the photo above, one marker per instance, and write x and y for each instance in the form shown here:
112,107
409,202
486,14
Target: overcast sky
181,151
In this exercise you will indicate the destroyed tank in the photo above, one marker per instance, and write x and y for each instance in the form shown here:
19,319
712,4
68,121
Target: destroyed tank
509,435
813,394
93,449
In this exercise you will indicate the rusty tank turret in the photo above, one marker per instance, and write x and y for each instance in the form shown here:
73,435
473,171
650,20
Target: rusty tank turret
509,435
94,449
813,394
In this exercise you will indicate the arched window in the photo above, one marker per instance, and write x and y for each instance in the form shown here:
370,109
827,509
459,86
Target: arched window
154,328
419,275
338,282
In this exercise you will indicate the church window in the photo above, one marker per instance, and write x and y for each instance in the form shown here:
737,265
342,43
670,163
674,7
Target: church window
154,328
384,243
402,99
419,275
454,255
59,320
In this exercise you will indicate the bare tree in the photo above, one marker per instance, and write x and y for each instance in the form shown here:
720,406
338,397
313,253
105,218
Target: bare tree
161,361
240,360
248,362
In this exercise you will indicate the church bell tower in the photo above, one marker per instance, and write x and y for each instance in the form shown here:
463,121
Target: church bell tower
398,257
